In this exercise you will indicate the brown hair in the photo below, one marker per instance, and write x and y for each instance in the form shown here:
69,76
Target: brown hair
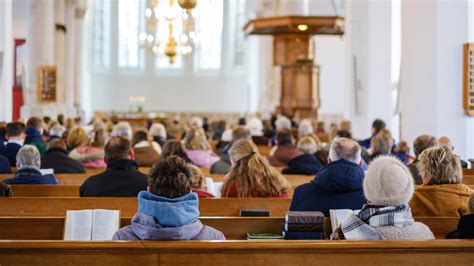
195,139
241,132
423,142
197,176
117,148
35,122
174,147
470,204
77,137
99,138
57,143
171,178
251,174
15,129
402,147
284,137
440,165
382,142
140,135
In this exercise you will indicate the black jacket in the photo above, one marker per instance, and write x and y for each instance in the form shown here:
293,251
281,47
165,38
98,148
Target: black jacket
338,185
121,179
465,228
58,159
305,164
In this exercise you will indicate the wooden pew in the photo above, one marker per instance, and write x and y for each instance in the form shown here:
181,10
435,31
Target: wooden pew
128,206
468,171
468,179
434,252
51,228
70,183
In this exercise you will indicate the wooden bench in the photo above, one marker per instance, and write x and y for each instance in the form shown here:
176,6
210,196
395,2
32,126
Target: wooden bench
51,228
18,206
434,252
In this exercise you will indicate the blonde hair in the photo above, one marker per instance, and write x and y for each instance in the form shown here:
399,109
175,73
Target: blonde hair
440,165
382,142
197,176
251,174
77,137
346,125
307,145
195,139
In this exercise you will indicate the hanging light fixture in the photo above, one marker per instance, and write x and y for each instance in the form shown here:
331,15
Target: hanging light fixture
158,17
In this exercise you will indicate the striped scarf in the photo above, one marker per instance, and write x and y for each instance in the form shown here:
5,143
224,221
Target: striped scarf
362,226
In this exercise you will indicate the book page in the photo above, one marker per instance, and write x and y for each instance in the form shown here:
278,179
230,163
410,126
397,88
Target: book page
216,189
105,224
338,216
78,225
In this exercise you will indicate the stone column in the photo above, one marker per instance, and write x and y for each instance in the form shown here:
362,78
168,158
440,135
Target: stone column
79,52
60,21
70,53
40,44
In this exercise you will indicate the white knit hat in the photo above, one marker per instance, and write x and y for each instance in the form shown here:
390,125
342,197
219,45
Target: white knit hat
388,182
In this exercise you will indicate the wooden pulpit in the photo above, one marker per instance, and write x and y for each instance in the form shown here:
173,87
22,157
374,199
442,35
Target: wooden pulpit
292,51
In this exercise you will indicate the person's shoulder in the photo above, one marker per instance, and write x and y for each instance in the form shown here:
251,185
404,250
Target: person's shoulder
125,233
210,233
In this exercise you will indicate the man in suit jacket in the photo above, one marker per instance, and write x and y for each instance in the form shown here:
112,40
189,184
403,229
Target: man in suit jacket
121,178
16,137
57,158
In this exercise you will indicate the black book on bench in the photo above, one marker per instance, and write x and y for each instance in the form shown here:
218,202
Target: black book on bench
254,213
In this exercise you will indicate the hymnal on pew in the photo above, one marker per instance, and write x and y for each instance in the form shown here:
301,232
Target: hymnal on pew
213,187
86,225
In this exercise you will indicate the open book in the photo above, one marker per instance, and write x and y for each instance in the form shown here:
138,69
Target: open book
213,187
338,216
85,225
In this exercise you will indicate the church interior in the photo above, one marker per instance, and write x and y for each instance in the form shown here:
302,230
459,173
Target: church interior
237,131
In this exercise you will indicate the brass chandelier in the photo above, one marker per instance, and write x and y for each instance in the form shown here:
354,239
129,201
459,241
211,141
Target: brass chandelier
161,20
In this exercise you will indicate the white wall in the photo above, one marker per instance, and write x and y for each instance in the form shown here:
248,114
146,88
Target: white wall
6,60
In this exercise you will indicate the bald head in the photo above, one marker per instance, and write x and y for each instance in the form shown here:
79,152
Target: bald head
445,142
344,148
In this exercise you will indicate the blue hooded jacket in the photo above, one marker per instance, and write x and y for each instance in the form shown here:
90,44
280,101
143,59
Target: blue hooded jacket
161,218
336,186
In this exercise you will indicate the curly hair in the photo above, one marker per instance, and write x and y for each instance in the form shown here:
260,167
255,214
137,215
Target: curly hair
439,165
171,178
195,139
251,174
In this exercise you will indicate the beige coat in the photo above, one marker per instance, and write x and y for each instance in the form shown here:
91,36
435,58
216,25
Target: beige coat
448,200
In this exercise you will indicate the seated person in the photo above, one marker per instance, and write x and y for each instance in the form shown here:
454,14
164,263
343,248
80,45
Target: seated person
197,182
337,185
255,125
305,163
198,148
223,165
441,193
285,150
56,158
4,165
122,129
465,228
56,131
381,144
446,142
16,137
84,150
305,129
3,133
145,152
158,133
168,210
176,148
28,164
121,178
388,187
34,133
5,190
402,152
420,144
251,175
377,125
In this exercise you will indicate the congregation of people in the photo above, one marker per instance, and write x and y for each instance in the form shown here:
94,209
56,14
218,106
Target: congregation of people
376,175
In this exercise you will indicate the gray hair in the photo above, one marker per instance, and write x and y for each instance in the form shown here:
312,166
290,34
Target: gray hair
344,148
307,145
305,128
57,130
28,157
122,129
282,123
158,130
